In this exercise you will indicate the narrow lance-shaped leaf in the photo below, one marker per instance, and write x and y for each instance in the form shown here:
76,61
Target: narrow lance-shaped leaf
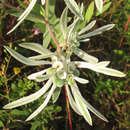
63,22
88,27
44,56
34,75
56,94
105,8
25,60
97,31
81,106
35,47
99,5
103,70
83,55
72,5
71,29
28,10
24,15
102,64
72,102
37,111
30,98
109,71
90,107
81,80
89,12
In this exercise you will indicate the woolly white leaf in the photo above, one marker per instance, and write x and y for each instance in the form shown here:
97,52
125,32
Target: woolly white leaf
83,55
97,31
72,5
56,94
90,107
30,98
37,111
24,15
81,80
103,70
88,27
102,64
44,56
109,71
25,60
84,40
63,22
99,5
72,102
35,47
81,106
34,75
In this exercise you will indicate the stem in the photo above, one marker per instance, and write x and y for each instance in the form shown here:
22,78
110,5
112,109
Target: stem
49,29
68,108
125,30
47,10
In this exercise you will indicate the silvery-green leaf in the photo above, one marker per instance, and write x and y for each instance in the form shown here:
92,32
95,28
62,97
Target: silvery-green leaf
72,5
102,64
43,2
30,98
56,94
37,111
91,34
24,15
109,71
71,29
105,8
28,9
90,107
82,8
72,102
99,5
25,60
103,70
63,22
104,28
39,57
81,106
97,113
88,27
81,80
83,55
34,75
84,40
97,31
42,78
80,64
35,47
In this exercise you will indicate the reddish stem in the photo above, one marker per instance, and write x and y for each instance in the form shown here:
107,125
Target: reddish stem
125,29
68,108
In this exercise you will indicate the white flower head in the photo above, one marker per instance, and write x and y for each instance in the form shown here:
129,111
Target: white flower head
54,58
57,65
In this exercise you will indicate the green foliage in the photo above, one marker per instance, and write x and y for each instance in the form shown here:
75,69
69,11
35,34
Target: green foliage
112,93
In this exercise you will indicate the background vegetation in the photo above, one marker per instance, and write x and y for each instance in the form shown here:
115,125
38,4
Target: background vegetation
111,96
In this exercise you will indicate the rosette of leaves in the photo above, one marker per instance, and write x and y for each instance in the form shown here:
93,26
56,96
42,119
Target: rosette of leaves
71,33
62,72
